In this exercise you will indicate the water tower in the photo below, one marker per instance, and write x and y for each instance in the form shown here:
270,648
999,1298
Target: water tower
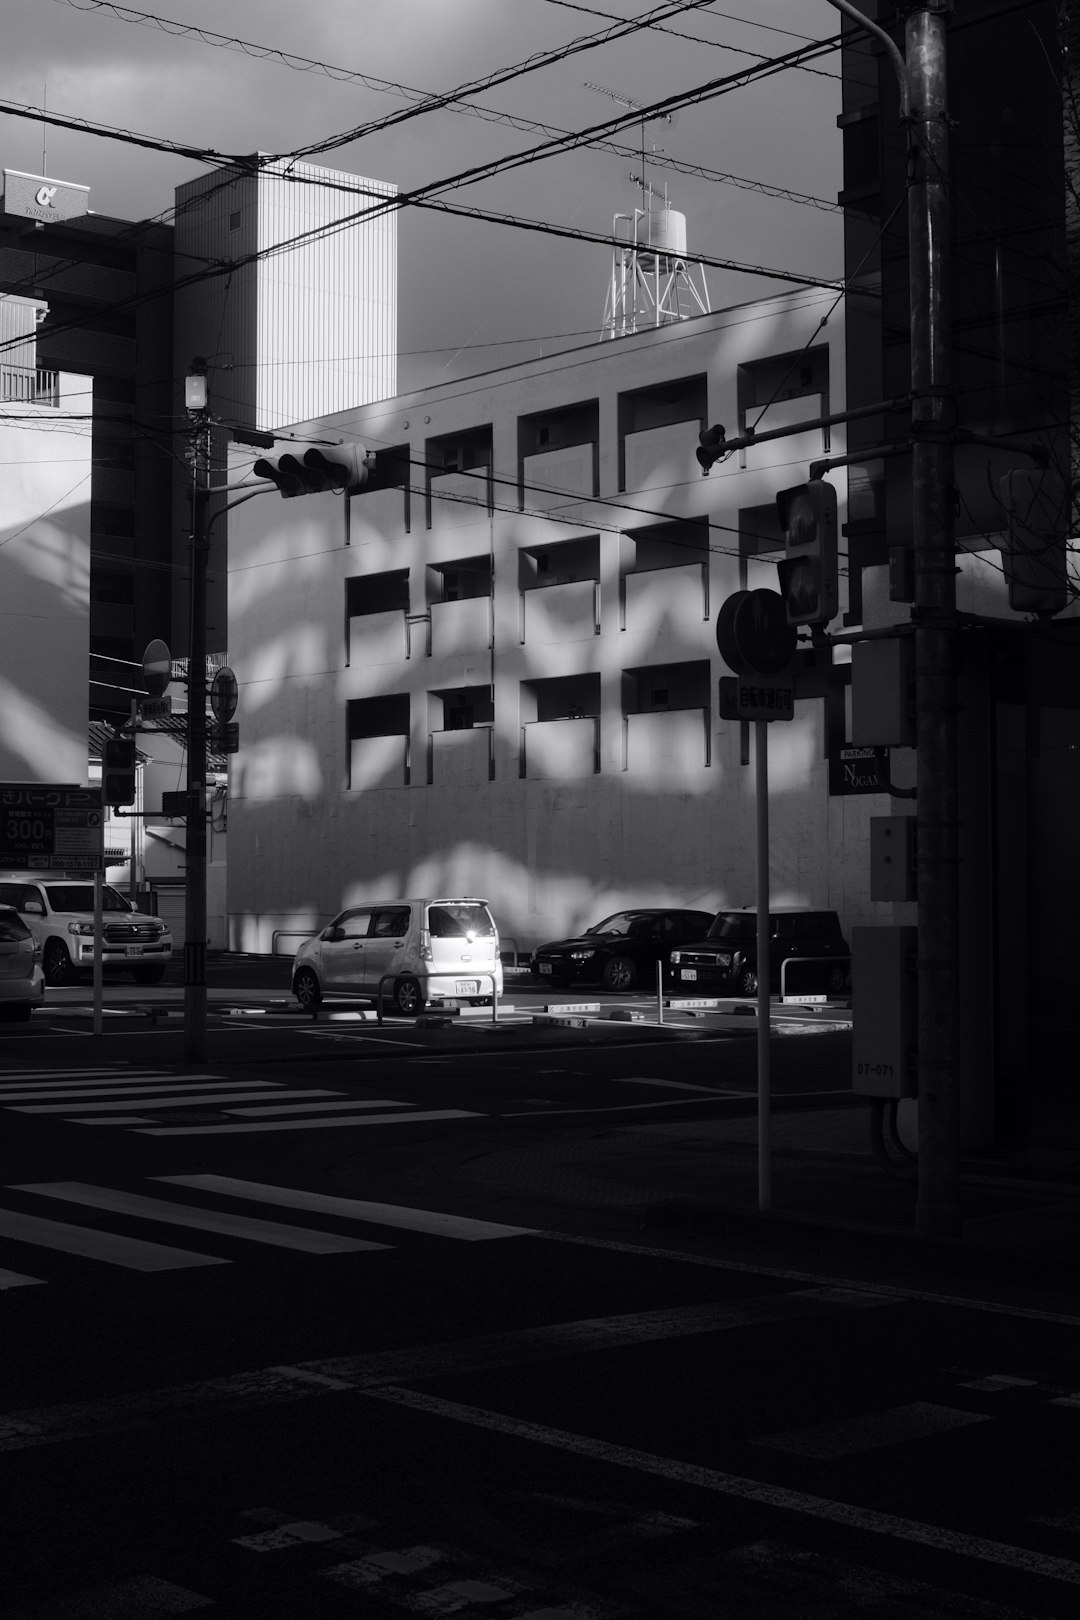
651,282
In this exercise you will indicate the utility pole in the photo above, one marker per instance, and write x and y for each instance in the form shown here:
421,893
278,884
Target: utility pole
195,399
937,1210
921,71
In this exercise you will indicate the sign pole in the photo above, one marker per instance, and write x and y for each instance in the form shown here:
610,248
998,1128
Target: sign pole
99,926
133,887
764,1031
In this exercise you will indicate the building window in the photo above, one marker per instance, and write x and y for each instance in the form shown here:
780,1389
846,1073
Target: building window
377,738
648,411
559,590
560,726
558,454
458,469
767,389
682,695
382,602
459,581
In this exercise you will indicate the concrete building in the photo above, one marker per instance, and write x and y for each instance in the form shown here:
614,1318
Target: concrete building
290,296
494,668
45,573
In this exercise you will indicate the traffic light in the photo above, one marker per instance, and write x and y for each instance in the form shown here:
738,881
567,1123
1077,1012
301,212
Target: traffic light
308,470
711,447
118,771
808,575
1036,502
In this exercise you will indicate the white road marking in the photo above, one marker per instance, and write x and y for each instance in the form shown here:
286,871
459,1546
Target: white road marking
321,1108
122,1088
183,1099
675,1085
313,1124
132,1253
357,1209
823,1508
629,1108
868,1431
15,1279
203,1220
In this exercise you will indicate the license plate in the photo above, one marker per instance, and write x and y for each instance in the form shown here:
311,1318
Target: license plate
132,950
689,973
466,987
545,967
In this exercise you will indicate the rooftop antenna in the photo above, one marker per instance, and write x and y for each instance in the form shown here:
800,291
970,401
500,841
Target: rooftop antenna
651,282
44,130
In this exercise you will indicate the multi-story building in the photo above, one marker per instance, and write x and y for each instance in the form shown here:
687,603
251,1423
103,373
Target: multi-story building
494,667
44,558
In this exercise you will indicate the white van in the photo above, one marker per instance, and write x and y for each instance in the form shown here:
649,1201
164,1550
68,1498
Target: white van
416,951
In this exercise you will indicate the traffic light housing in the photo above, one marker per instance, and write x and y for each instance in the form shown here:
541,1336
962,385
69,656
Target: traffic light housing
310,469
118,771
809,573
1036,501
711,447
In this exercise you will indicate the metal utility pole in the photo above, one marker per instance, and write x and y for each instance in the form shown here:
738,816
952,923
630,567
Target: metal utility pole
937,1210
195,889
921,71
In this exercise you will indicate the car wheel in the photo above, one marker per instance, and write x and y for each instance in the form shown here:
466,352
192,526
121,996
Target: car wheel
307,990
837,978
408,997
57,965
148,975
746,983
619,973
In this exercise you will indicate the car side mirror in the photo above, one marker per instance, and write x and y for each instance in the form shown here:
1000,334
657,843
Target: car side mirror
34,908
332,933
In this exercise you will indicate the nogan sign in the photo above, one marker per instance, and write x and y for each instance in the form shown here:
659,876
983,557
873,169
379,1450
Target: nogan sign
859,770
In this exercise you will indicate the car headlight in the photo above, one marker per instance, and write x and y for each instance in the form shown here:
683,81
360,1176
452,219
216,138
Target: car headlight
723,959
676,956
581,956
80,928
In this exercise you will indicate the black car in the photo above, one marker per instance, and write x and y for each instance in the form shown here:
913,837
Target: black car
622,951
725,961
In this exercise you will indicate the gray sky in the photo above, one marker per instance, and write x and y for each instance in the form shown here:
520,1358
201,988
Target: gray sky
472,295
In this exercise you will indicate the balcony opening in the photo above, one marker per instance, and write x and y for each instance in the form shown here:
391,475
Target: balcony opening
377,741
682,401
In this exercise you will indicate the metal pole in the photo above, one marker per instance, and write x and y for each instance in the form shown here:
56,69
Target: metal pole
133,885
99,958
764,1029
934,617
195,889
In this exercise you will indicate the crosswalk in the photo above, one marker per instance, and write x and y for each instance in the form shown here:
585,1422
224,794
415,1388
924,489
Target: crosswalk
135,1099
27,1218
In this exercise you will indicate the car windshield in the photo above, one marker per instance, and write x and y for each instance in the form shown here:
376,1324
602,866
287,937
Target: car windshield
460,919
621,923
80,897
733,925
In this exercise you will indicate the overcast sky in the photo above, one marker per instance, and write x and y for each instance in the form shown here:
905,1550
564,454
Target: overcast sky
472,294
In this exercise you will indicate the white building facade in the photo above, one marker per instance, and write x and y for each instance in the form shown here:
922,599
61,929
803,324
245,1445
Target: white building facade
45,453
494,670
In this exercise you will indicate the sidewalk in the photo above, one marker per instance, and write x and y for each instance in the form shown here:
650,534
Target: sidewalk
832,1200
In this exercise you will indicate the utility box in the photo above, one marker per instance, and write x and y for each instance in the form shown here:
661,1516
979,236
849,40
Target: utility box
883,1011
892,857
883,693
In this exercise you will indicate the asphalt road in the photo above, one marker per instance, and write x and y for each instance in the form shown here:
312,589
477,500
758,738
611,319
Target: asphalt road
268,1351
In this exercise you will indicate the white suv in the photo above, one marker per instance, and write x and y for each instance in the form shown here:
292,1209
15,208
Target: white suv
59,912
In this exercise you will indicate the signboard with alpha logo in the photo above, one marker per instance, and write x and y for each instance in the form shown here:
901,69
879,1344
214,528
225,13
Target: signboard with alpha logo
47,828
33,196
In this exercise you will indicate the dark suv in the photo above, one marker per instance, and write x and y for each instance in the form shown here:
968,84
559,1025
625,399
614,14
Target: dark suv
725,961
621,952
